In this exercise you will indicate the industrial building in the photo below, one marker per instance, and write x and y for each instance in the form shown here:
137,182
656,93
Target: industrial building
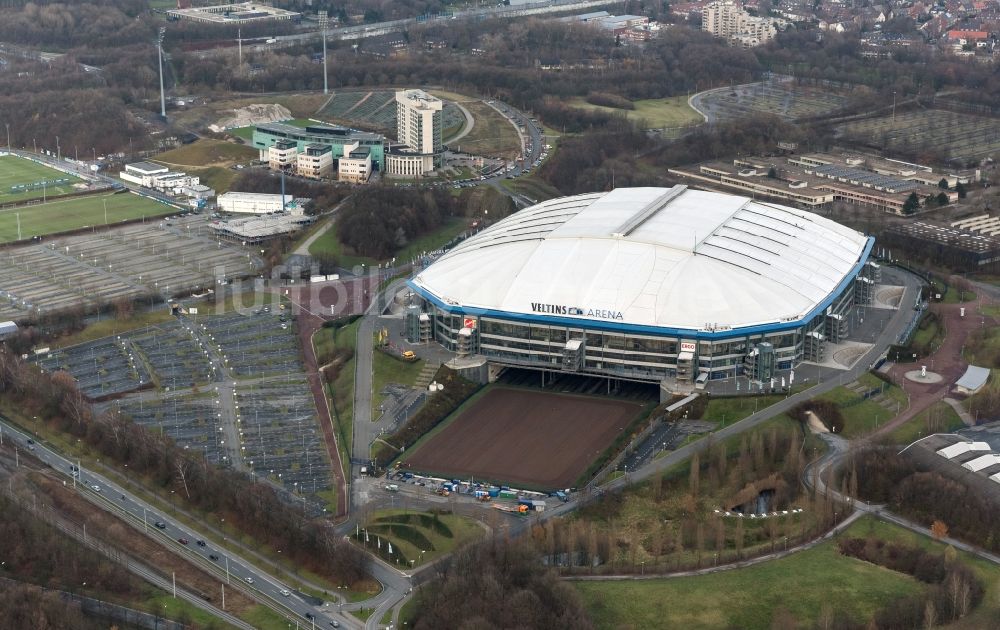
957,246
236,13
419,127
816,180
260,203
158,177
285,143
256,230
663,285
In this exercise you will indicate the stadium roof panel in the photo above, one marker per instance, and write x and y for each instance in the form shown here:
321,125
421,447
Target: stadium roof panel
667,258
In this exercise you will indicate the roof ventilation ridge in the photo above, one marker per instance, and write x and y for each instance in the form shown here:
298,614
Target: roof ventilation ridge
648,211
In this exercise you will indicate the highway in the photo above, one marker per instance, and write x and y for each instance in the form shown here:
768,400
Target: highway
231,569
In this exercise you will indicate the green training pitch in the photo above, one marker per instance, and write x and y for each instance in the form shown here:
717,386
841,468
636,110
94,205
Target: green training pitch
77,212
16,170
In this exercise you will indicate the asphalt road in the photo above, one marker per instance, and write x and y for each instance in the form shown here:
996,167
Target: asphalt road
230,568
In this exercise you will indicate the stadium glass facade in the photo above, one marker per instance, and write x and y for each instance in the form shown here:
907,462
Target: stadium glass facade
643,353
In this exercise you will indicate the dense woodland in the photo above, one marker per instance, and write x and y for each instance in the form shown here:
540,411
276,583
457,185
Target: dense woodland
498,584
37,554
883,476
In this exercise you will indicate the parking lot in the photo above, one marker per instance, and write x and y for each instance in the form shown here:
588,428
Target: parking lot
257,345
231,387
168,256
280,437
193,421
103,367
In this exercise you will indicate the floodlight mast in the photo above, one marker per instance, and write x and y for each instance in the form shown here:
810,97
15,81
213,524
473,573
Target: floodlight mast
159,50
324,20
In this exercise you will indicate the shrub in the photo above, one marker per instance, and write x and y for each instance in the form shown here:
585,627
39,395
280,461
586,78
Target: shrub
604,99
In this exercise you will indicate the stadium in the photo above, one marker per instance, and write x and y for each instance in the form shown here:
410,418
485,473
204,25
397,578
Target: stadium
662,285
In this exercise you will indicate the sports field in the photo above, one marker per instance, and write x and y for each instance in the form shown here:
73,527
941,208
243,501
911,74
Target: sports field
76,212
17,171
533,438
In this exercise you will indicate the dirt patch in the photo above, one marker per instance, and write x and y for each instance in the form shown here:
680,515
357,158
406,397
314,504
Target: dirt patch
815,424
533,438
255,114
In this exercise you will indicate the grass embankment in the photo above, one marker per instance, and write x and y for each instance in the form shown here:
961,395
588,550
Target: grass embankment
329,243
416,537
208,152
727,410
808,584
863,416
938,418
109,325
386,370
535,189
78,212
491,135
337,344
658,113
218,178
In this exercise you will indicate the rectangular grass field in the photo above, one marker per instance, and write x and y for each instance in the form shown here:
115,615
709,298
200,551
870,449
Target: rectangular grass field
533,438
17,170
77,212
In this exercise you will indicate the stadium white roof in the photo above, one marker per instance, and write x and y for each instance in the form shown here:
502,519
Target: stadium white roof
661,257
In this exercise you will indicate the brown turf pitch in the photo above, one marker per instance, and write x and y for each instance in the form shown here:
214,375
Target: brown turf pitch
533,438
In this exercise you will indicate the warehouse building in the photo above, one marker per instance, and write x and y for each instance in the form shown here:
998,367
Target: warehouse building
670,286
259,203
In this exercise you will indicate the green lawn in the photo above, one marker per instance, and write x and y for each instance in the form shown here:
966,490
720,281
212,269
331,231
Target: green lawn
385,370
329,243
109,325
264,618
341,391
244,133
804,583
218,178
17,170
953,296
938,418
655,113
727,410
77,212
207,152
860,418
535,189
434,542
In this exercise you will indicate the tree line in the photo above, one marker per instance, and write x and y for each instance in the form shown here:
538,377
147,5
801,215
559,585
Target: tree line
255,508
498,584
884,476
381,220
682,529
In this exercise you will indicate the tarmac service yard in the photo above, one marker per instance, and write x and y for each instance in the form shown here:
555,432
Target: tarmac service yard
530,438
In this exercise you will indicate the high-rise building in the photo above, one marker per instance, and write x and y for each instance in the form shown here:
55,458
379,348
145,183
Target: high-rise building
418,127
728,20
